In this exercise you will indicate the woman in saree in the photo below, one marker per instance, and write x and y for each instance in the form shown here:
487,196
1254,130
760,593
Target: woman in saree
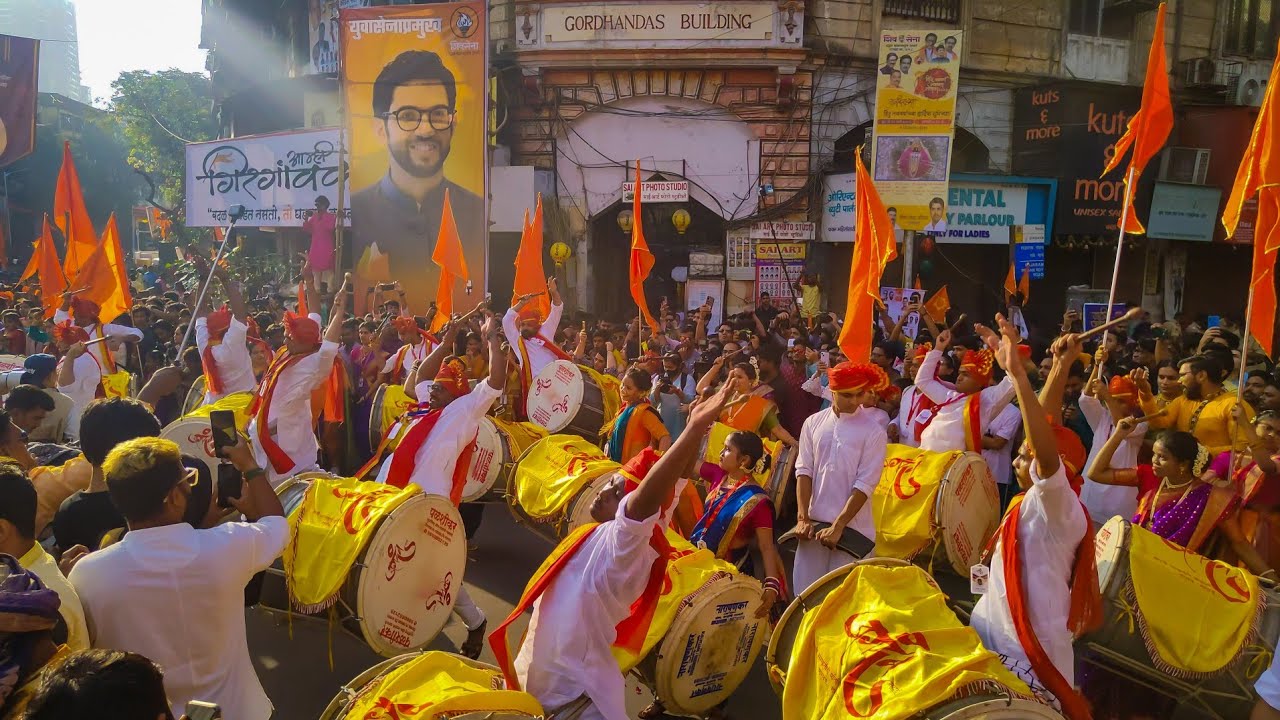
750,409
638,424
1256,476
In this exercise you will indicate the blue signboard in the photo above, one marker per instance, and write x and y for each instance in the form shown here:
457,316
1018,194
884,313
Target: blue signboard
1031,256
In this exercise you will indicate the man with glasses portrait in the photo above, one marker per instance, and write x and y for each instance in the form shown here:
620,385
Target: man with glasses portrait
415,113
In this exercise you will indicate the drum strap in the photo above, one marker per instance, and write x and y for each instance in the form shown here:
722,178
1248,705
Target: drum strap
260,409
212,378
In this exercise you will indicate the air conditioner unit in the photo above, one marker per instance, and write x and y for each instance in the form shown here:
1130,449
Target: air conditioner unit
1185,165
1199,72
1251,85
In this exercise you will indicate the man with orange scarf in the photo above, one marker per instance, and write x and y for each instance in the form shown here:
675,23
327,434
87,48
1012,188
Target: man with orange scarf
79,372
533,338
222,337
1043,586
600,588
418,344
962,414
281,425
85,315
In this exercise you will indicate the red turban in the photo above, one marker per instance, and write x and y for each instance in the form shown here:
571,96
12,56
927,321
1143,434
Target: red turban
1024,352
405,323
452,376
84,306
1122,388
70,333
921,350
1072,453
254,330
979,364
851,377
219,321
890,393
530,312
301,328
638,467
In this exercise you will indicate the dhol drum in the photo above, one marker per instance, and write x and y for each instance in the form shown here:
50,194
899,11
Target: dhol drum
1118,645
400,591
499,705
978,706
554,483
195,396
10,363
194,435
563,398
498,444
390,402
963,510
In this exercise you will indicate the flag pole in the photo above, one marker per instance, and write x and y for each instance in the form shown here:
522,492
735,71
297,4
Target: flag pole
204,289
1115,271
1244,361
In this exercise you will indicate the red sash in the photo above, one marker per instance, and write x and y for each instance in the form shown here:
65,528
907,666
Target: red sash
405,454
1085,614
972,419
260,409
526,370
919,404
212,379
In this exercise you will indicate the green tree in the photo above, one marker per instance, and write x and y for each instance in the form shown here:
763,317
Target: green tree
159,113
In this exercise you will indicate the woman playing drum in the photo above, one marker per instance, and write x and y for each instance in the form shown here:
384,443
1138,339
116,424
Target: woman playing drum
638,425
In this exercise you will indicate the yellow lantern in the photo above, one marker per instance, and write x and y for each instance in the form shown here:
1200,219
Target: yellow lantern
624,220
681,220
559,253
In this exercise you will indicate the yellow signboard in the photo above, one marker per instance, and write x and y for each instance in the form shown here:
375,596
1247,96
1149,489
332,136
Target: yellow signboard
917,76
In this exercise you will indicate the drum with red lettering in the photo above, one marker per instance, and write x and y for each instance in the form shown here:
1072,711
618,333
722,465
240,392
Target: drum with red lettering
563,398
1118,646
400,591
390,402
498,444
194,435
554,483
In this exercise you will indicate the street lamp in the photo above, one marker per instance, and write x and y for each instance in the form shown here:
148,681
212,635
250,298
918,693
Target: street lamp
680,218
625,220
8,205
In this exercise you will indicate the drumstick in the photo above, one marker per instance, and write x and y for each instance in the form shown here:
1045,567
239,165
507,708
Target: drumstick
95,341
956,326
1152,416
1131,315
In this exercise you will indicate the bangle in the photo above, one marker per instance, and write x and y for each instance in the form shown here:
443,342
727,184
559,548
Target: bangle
255,472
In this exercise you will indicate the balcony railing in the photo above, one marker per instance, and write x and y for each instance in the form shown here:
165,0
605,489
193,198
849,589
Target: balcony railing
1089,57
947,11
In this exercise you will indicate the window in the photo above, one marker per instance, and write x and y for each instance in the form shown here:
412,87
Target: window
947,11
1251,28
1090,17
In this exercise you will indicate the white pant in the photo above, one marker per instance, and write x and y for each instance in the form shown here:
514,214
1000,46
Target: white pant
467,611
813,560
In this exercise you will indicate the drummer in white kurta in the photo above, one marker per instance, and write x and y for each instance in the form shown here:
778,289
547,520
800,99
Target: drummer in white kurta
915,409
842,452
284,441
418,344
222,337
583,596
1103,406
84,313
533,342
1046,590
951,427
79,373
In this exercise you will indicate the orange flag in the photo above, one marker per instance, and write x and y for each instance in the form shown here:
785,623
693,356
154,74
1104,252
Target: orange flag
917,285
938,305
68,206
1258,174
529,274
874,246
1149,127
303,310
31,264
52,281
1024,284
453,264
641,258
1010,288
102,275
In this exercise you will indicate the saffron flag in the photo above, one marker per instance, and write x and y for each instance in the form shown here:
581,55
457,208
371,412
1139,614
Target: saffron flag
874,246
1148,128
31,264
1010,288
529,274
453,265
52,281
1024,284
917,285
938,305
71,216
1258,174
102,275
641,258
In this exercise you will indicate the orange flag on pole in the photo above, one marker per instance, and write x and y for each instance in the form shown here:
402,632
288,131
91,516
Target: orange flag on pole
530,277
874,246
641,258
31,264
68,206
1024,284
1149,127
52,281
1010,287
453,264
1258,175
102,275
938,305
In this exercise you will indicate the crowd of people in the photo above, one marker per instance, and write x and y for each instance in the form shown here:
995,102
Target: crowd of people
111,545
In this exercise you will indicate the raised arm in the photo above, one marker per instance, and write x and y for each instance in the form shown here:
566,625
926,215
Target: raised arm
234,297
927,381
1065,351
1034,421
333,334
67,371
1100,470
647,499
497,359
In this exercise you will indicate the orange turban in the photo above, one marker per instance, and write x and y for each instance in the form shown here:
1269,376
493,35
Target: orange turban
1072,453
219,321
84,306
851,377
890,393
530,312
405,323
70,333
1122,388
638,467
301,328
979,364
921,350
452,376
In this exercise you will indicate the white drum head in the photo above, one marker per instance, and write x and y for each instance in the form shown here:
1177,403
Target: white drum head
555,395
1110,545
711,646
412,571
989,707
194,437
580,506
968,511
12,362
486,461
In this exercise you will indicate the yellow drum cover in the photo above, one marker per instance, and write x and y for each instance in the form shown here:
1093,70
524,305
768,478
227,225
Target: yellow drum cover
553,470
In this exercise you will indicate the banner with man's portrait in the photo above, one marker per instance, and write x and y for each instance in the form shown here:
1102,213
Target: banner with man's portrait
416,93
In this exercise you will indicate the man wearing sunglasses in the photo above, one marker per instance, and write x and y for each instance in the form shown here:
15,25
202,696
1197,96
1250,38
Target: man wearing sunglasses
415,114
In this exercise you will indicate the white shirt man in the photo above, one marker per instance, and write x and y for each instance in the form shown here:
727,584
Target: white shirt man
402,361
947,429
1005,426
535,347
82,390
176,595
1051,523
436,459
235,368
842,453
1106,501
100,330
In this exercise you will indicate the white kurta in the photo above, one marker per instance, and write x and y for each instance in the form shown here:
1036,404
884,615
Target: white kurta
946,430
566,652
841,453
1268,685
235,367
82,390
121,332
1107,501
403,360
539,355
436,459
1004,425
1051,524
182,606
289,417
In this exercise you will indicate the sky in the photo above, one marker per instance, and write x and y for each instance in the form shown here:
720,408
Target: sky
120,35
